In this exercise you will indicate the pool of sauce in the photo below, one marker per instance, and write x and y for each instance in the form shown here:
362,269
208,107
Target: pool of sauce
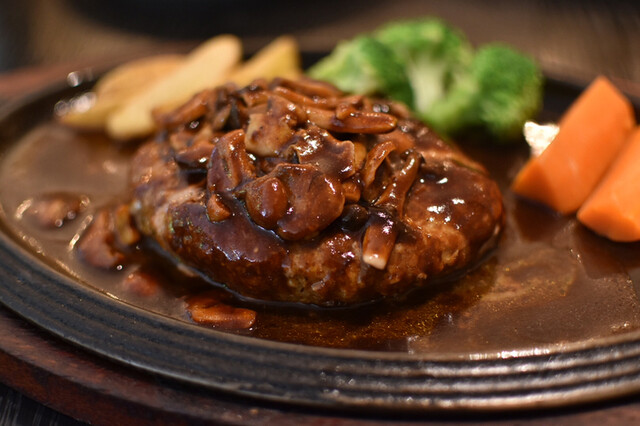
549,281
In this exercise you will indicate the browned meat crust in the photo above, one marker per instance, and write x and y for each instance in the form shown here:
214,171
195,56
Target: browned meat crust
292,191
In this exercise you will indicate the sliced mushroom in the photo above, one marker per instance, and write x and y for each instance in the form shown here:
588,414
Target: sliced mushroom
332,156
195,108
124,229
379,239
195,157
210,308
97,244
268,132
351,188
374,159
266,201
393,197
303,185
53,210
230,164
254,95
300,99
401,139
356,122
309,87
217,211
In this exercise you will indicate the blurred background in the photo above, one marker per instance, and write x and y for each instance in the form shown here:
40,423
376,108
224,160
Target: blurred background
578,38
42,40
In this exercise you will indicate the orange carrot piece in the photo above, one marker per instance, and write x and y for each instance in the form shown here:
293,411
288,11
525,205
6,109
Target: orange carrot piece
613,209
592,131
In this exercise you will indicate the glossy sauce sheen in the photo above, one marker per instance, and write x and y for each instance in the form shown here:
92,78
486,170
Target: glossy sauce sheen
549,281
431,211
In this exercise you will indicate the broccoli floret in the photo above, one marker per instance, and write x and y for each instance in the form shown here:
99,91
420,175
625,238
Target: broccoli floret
510,89
364,65
434,55
432,67
502,90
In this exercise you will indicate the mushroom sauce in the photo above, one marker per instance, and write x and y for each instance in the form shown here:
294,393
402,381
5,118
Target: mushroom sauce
549,280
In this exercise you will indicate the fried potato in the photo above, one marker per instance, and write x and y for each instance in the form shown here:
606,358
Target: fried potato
206,66
127,97
136,74
115,88
280,58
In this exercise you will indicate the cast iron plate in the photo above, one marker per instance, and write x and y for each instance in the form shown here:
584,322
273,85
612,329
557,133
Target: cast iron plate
331,378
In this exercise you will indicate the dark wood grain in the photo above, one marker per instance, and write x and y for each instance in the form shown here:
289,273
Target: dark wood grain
16,409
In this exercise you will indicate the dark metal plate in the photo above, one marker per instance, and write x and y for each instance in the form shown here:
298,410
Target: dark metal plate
542,376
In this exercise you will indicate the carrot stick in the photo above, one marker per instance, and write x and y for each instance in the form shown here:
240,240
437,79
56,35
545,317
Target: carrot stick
613,209
592,131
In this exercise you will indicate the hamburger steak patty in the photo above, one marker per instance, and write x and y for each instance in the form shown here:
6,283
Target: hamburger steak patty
293,191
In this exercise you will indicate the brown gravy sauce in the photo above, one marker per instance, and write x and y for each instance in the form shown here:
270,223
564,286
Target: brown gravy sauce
549,281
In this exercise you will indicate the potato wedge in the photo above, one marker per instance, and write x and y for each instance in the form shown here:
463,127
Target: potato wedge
206,66
136,74
280,58
115,88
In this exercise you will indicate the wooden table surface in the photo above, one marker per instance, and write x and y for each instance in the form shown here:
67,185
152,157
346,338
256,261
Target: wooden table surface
574,39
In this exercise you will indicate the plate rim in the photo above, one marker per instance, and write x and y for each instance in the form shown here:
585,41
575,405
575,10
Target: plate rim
345,381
